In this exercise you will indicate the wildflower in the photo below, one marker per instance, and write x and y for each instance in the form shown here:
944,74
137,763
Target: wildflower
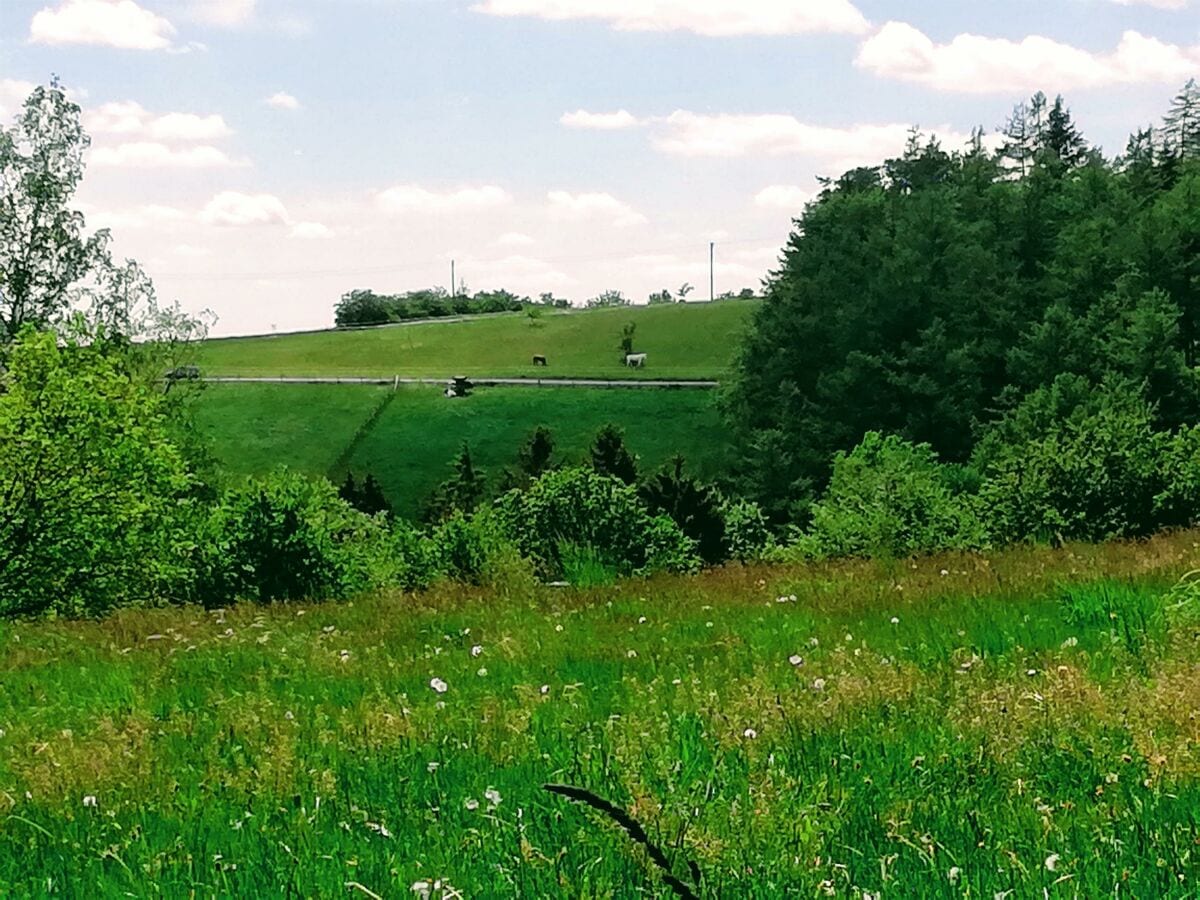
289,715
1072,641
676,681
945,572
1052,862
432,766
708,624
953,874
482,671
492,796
813,642
344,655
641,620
849,637
423,889
781,599
545,688
328,629
895,620
1031,672
471,804
476,650
796,659
632,654
438,685
818,684
750,733
558,628
90,800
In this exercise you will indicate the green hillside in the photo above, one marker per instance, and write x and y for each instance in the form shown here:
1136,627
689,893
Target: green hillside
252,428
682,341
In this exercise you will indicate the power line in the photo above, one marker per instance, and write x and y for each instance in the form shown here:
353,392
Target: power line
432,263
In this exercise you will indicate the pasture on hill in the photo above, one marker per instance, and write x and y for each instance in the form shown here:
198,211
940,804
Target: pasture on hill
1017,724
407,438
681,340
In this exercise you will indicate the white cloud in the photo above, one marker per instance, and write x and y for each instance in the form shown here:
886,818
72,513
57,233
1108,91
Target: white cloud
514,239
730,135
110,23
13,93
568,207
282,100
311,231
151,215
226,13
974,64
410,198
520,273
613,121
783,196
712,18
130,119
236,209
151,155
191,251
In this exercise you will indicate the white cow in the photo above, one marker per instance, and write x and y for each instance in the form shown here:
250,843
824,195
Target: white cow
635,360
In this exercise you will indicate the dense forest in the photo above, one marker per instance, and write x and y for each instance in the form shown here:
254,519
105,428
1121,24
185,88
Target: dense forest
967,298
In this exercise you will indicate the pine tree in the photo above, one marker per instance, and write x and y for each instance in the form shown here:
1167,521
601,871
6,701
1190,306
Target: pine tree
1181,126
1061,141
349,490
371,498
610,457
1018,145
534,458
468,485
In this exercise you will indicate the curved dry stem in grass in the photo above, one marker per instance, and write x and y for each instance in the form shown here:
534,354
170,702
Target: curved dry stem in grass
634,830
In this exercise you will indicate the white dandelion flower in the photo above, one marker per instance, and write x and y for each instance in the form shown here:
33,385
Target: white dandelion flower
482,671
432,766
641,620
477,650
545,688
632,654
796,659
438,685
90,800
945,572
895,620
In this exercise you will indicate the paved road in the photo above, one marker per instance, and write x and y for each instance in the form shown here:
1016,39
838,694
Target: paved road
477,381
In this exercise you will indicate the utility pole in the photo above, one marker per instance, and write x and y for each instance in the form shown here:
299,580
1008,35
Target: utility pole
711,246
453,289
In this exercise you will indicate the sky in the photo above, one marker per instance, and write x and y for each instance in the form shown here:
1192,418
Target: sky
260,158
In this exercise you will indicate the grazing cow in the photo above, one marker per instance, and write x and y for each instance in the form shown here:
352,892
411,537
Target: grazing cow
539,361
635,360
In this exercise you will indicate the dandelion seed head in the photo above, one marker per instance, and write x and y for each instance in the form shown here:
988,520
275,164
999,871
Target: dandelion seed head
476,650
796,659
750,734
90,800
438,685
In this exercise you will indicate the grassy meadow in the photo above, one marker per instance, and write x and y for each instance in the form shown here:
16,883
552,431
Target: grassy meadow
684,341
1018,724
407,438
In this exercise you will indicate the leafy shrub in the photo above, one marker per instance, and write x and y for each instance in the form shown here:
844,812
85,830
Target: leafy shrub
579,506
747,534
94,494
888,497
1178,501
1090,477
286,537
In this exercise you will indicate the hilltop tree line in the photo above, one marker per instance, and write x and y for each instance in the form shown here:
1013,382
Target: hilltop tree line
997,307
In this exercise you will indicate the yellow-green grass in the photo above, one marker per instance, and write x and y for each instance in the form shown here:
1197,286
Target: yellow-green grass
682,341
408,447
967,726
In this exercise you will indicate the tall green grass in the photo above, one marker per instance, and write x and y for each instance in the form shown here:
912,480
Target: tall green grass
935,728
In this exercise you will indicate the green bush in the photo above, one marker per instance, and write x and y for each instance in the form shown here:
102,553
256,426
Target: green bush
95,497
1178,501
694,506
287,537
578,506
1089,477
888,497
747,534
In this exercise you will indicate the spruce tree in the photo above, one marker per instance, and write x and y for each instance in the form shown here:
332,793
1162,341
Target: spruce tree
610,456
